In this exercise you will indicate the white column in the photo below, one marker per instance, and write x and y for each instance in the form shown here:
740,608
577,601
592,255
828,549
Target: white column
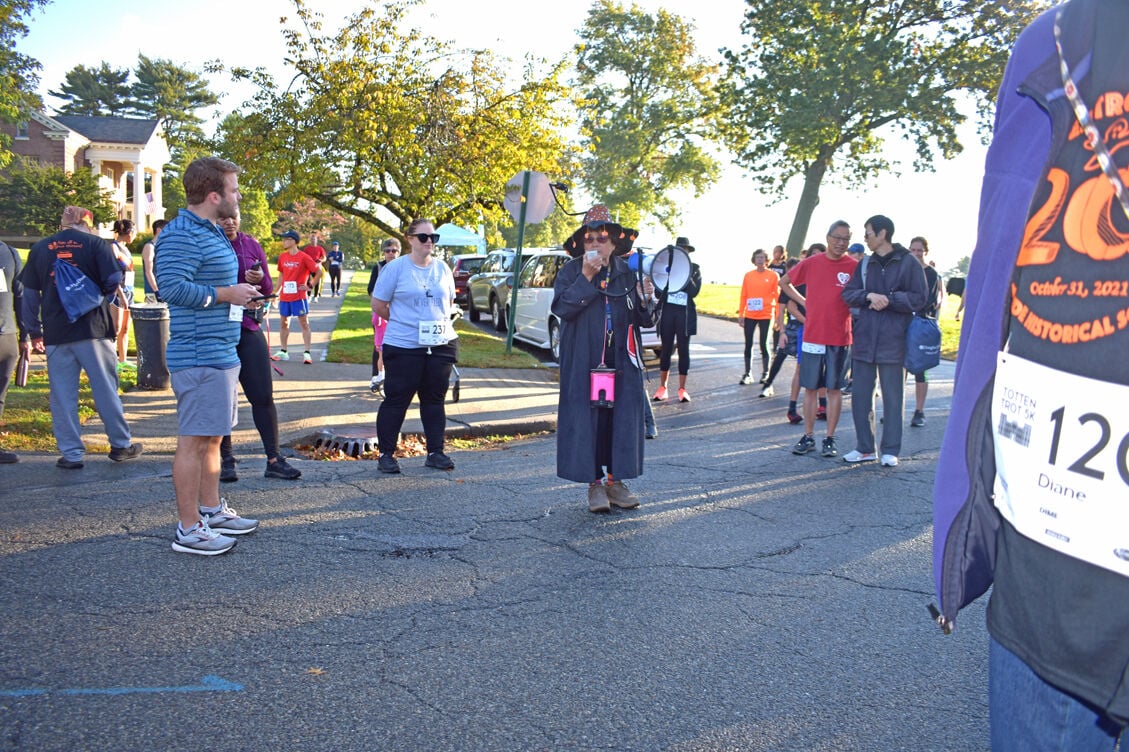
158,192
139,218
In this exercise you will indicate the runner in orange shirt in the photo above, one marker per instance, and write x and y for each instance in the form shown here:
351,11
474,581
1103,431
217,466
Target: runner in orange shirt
760,292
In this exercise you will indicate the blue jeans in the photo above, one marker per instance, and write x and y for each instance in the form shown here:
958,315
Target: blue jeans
1030,715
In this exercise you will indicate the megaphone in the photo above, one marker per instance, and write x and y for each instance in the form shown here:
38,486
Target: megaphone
669,269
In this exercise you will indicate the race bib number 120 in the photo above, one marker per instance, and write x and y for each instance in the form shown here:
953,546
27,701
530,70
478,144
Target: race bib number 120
1062,460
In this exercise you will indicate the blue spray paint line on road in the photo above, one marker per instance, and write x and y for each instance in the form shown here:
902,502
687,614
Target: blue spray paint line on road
209,683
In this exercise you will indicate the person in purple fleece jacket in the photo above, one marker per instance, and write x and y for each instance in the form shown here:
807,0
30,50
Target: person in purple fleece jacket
1030,491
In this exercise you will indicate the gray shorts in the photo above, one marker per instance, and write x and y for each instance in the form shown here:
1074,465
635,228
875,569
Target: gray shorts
205,400
826,369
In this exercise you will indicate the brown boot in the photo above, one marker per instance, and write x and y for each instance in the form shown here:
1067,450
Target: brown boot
598,498
619,495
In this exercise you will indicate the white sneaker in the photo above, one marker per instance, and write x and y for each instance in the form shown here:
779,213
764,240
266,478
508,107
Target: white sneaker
378,378
768,391
856,456
889,460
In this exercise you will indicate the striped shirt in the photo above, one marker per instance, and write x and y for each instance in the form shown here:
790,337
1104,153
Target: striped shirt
193,258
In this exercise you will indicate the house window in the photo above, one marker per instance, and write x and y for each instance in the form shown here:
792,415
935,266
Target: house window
21,130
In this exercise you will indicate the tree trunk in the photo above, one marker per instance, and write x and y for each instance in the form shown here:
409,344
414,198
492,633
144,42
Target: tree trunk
809,199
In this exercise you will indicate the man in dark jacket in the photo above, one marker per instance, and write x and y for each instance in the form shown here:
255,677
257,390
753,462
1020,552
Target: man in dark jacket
886,288
14,338
84,345
1041,384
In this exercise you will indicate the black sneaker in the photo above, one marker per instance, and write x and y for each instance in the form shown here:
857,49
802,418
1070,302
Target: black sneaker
227,470
439,461
918,419
828,449
804,445
121,454
8,458
66,464
281,469
388,464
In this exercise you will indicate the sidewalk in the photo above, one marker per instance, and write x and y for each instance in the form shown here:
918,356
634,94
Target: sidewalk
336,397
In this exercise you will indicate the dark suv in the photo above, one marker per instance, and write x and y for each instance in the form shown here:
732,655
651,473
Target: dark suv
463,267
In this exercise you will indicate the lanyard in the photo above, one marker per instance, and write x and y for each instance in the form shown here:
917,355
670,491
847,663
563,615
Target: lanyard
1101,151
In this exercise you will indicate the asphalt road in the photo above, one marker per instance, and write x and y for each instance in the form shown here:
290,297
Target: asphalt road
757,600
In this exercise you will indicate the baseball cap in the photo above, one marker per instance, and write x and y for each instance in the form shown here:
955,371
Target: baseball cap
292,234
336,243
856,248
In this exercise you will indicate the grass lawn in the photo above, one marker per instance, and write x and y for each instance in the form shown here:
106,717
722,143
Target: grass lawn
351,341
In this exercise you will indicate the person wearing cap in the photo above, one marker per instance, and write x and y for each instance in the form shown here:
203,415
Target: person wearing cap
678,321
390,250
84,345
416,294
335,259
856,251
295,269
601,306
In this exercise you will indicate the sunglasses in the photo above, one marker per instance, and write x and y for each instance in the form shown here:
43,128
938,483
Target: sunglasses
592,237
391,250
423,237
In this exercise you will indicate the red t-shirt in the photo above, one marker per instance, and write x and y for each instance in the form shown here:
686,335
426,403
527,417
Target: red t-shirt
316,252
828,317
293,271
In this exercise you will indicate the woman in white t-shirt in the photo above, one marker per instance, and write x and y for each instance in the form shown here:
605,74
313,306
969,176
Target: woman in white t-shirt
416,294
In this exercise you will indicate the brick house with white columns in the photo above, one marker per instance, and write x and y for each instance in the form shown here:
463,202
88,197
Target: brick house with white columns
115,149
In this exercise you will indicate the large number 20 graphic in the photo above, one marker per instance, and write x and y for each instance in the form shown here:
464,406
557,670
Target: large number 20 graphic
1087,223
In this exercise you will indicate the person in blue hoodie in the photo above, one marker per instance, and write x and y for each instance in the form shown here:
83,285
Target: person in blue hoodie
1032,478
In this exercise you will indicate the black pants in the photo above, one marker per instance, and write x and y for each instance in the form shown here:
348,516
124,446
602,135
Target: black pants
752,326
258,387
9,358
407,372
334,279
672,325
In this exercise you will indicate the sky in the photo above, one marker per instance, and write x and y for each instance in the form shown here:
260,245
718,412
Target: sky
726,223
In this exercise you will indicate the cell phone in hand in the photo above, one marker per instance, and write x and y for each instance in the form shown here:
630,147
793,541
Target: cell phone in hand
261,298
255,266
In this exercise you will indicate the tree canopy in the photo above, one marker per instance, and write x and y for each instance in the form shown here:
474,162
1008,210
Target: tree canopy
810,92
19,74
171,94
384,123
94,91
32,198
649,110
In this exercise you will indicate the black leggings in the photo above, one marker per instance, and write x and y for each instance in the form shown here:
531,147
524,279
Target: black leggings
258,387
751,326
411,371
335,279
672,324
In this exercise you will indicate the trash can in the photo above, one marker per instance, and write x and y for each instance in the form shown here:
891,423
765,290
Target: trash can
151,331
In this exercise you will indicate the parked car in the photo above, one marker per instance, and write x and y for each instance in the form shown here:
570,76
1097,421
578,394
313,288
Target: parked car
491,288
534,322
463,267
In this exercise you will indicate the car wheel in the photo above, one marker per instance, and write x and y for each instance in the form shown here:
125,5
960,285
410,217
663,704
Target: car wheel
473,312
499,316
555,339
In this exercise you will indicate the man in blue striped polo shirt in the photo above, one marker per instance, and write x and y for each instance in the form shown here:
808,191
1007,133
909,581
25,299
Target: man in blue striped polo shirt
197,274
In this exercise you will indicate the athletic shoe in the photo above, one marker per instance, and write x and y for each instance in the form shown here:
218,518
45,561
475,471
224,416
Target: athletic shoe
227,470
121,454
821,414
660,394
388,464
307,358
282,470
439,461
683,395
828,448
379,378
8,458
746,379
889,460
918,419
66,464
856,456
598,501
768,391
846,391
228,521
764,377
202,540
620,496
794,417
804,445
280,355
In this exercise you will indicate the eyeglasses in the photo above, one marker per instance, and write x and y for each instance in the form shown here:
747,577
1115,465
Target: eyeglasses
391,250
840,238
423,237
592,237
